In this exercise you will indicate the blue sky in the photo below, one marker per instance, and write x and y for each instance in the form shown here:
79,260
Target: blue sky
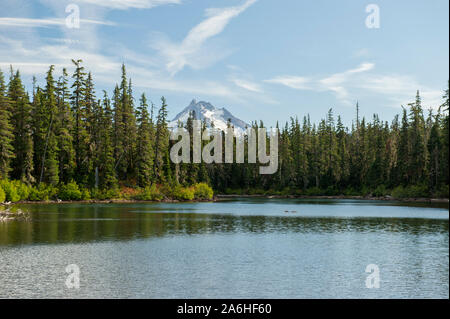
262,59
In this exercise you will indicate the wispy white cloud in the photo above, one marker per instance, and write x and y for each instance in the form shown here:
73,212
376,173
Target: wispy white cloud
343,77
294,82
49,22
400,89
127,4
156,80
189,51
247,85
336,83
33,55
347,86
36,58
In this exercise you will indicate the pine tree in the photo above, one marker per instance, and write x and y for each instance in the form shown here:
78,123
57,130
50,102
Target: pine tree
118,133
403,162
49,162
64,128
144,145
417,139
80,135
6,131
444,165
108,177
434,148
128,122
22,164
342,153
162,144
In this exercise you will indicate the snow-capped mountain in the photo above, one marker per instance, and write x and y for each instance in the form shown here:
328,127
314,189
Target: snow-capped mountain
208,112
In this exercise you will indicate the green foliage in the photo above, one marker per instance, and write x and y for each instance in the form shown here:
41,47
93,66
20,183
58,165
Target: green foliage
203,191
6,131
10,189
331,191
256,191
182,193
380,191
314,191
70,191
150,193
365,191
22,189
103,194
15,190
234,191
43,192
399,192
351,192
2,195
144,145
412,191
21,120
442,192
85,194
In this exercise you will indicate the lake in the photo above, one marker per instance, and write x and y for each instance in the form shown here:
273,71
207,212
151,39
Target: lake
237,248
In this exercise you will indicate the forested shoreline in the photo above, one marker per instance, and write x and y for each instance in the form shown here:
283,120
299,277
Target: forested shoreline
66,141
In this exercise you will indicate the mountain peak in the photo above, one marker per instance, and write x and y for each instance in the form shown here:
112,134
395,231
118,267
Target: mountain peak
210,114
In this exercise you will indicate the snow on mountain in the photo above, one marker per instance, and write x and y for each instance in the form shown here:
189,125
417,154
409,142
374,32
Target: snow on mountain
208,112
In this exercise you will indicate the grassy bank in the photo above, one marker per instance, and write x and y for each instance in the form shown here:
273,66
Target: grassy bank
16,191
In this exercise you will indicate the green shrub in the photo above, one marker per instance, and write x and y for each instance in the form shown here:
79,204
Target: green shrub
313,191
111,193
151,193
234,191
256,191
97,193
36,195
182,193
10,191
442,192
331,191
85,194
203,191
398,192
380,191
42,193
414,191
365,191
22,189
2,195
103,194
286,191
186,193
70,191
273,192
351,192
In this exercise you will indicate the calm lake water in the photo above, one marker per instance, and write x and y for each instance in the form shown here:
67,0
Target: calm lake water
243,248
